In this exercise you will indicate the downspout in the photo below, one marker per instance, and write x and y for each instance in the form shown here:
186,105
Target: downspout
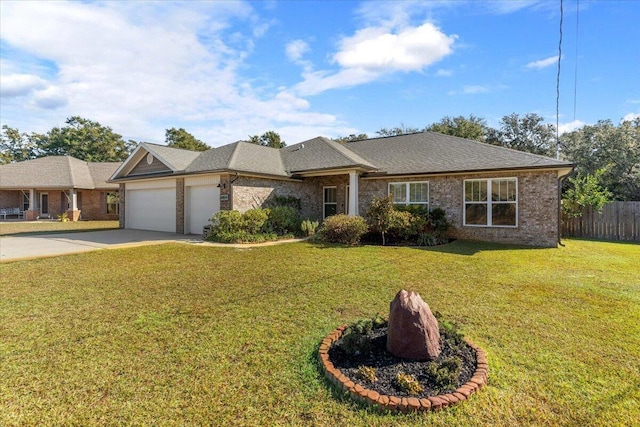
560,210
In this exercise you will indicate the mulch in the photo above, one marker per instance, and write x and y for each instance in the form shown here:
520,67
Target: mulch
387,366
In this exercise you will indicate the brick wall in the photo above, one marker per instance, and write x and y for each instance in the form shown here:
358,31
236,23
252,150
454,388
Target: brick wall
537,206
180,205
537,202
93,206
11,199
122,207
248,193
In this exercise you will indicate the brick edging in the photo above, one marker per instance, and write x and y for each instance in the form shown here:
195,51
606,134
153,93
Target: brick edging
395,403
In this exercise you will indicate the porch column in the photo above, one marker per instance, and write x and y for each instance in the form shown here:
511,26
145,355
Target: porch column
353,193
31,213
73,213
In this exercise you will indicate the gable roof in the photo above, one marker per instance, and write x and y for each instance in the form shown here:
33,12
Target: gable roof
416,153
321,154
430,152
240,156
54,172
175,159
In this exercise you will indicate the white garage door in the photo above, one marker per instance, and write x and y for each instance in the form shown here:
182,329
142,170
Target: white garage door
151,209
202,202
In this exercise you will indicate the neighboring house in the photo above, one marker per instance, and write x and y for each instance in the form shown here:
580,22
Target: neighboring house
49,186
489,193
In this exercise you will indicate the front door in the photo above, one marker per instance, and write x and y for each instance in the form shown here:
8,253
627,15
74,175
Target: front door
44,204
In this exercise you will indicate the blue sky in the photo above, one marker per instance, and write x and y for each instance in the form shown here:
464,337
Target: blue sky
224,70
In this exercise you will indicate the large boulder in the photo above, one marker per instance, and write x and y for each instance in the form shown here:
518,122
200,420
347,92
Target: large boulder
413,330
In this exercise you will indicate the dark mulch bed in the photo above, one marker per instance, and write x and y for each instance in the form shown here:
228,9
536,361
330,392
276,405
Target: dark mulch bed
387,366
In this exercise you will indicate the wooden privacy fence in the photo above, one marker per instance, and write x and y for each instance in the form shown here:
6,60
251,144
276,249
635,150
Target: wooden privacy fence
617,221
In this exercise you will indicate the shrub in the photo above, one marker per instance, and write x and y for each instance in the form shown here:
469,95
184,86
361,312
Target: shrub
443,376
283,220
408,383
343,229
226,222
309,227
254,220
379,215
367,373
355,339
379,321
290,201
426,228
402,224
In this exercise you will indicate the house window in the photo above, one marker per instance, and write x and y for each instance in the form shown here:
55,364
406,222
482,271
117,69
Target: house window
112,202
409,193
25,201
330,201
491,202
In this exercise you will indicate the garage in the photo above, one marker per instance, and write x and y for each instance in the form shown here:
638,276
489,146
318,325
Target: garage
151,206
202,200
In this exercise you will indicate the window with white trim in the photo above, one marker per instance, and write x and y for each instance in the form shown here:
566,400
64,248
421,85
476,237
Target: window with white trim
491,202
330,201
409,193
111,202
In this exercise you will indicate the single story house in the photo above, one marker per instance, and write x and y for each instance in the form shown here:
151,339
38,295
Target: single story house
50,186
490,193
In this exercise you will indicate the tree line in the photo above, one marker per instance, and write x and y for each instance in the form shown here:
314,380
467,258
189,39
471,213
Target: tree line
606,155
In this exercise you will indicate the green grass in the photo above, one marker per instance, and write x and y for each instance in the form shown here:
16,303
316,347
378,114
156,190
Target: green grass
40,227
186,335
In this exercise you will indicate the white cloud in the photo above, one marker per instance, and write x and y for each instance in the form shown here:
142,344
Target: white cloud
296,49
503,7
543,63
380,50
631,116
374,52
444,73
140,67
570,126
470,90
50,98
20,84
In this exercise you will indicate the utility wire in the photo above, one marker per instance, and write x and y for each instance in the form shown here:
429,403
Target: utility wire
558,84
575,74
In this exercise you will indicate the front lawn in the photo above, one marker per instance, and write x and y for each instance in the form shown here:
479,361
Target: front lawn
181,334
39,227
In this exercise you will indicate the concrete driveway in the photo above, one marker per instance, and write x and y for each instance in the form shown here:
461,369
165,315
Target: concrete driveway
46,245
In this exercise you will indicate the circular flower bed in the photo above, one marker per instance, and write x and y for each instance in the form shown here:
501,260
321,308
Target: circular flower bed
380,379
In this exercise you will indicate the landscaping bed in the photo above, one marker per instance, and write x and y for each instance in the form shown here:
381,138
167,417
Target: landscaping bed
387,366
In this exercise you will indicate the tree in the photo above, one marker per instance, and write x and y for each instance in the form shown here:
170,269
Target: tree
470,128
399,130
613,149
268,139
16,146
528,133
379,216
86,140
585,190
180,138
351,138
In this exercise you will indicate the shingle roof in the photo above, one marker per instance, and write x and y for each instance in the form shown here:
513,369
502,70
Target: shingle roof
429,152
175,158
240,156
417,153
319,154
57,172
